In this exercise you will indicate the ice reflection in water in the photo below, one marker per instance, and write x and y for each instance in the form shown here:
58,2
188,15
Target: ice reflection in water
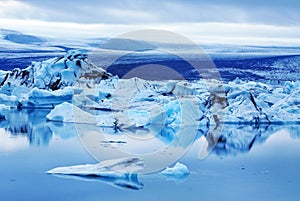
33,125
235,139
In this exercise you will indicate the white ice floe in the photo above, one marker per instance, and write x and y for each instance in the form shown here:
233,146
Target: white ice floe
116,168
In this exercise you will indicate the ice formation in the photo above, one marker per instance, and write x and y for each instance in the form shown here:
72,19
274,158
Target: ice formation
45,84
106,100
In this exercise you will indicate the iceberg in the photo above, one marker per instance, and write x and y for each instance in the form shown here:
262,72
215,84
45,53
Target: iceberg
10,101
47,83
256,103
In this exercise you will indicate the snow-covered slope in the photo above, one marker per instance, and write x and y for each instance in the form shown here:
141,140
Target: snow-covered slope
18,37
18,49
16,41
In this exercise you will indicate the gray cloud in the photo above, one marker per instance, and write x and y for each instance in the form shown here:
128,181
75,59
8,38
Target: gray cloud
275,12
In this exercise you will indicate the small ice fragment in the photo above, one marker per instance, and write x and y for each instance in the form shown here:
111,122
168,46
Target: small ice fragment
178,170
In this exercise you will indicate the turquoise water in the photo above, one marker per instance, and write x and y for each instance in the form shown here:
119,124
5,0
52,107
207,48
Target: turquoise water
248,163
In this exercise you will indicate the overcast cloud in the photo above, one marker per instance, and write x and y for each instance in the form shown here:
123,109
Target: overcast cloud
272,12
191,15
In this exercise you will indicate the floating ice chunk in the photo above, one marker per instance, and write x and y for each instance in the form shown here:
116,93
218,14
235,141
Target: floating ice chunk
11,101
21,92
242,107
172,110
155,114
289,86
178,170
43,98
106,120
49,76
68,77
117,168
68,113
139,117
3,107
255,102
288,108
178,173
7,88
181,88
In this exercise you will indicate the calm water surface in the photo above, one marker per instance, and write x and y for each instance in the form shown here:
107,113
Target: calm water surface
248,163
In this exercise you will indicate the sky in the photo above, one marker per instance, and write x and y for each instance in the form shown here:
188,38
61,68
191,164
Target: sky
269,22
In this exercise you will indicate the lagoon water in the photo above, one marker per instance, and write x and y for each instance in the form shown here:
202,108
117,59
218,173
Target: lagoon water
248,163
